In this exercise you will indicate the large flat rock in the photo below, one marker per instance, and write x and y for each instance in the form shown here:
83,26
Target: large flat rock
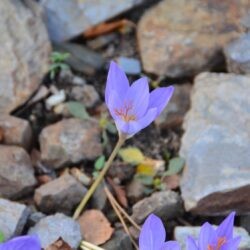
24,52
184,37
216,145
75,16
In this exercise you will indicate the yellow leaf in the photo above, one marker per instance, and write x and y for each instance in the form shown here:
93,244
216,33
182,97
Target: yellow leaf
145,169
131,155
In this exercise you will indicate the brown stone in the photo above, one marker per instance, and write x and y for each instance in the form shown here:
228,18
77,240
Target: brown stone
16,131
16,172
59,195
173,114
70,141
184,37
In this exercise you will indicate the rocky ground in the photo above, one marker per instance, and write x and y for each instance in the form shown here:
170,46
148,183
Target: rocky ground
190,166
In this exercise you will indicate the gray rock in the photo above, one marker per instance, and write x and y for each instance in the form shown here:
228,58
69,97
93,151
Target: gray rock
16,131
24,52
185,37
76,16
16,172
34,218
130,66
59,195
173,114
99,198
165,204
215,145
120,240
52,227
86,94
81,58
70,141
13,217
181,234
237,55
135,190
245,222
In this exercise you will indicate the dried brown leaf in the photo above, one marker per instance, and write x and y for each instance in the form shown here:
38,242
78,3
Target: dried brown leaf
95,227
105,28
119,193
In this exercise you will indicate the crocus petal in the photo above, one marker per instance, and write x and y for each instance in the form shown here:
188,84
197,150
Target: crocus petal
138,95
132,127
22,243
116,81
207,236
114,102
191,244
160,97
170,245
225,229
152,234
232,244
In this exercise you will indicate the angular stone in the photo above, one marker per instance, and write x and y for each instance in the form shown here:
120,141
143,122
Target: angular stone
86,94
75,16
120,240
173,114
238,55
59,195
70,141
81,58
130,66
135,190
165,204
13,217
51,228
181,234
215,145
184,37
16,131
16,172
24,52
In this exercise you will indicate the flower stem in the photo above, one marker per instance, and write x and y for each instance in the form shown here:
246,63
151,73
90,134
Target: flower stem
99,177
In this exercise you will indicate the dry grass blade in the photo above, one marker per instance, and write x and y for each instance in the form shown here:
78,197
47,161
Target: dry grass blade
123,211
111,200
89,246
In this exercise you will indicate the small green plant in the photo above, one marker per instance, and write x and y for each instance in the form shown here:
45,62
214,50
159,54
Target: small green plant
57,63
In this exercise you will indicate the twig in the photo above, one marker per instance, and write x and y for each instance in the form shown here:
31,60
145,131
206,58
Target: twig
123,211
120,217
89,246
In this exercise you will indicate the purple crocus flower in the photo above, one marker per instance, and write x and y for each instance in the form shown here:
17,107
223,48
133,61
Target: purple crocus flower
216,239
133,107
22,243
153,235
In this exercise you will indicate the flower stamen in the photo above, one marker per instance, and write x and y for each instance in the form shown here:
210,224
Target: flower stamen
125,112
221,241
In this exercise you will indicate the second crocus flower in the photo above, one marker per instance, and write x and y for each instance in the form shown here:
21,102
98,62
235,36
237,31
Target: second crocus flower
153,236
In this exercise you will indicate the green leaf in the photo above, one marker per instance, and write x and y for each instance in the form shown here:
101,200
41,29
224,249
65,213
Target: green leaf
131,155
77,110
175,166
1,237
99,163
145,179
